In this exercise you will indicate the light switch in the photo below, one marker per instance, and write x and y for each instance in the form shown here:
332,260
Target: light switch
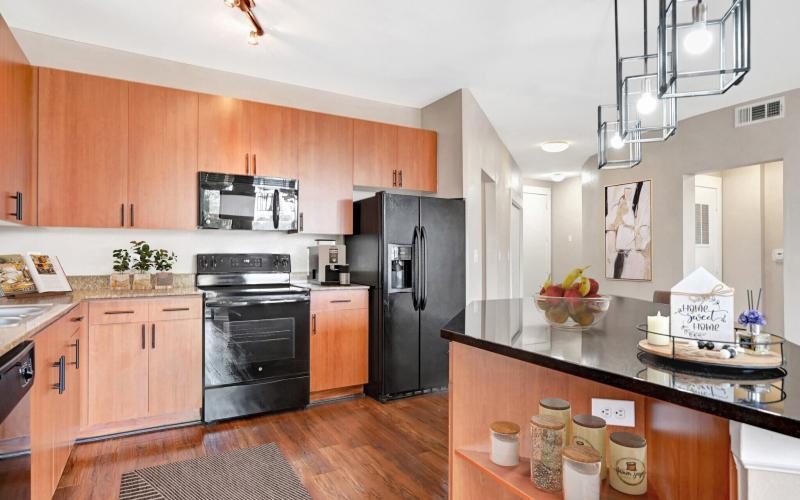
777,255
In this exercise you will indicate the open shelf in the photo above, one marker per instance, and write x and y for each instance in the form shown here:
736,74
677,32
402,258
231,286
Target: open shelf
517,480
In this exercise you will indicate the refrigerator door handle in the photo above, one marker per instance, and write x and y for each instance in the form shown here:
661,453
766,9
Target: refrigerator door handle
423,269
415,268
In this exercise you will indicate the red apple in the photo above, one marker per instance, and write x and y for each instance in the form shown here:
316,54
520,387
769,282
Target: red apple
594,287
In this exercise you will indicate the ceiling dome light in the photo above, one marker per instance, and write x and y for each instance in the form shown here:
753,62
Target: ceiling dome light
557,177
253,38
616,142
647,103
555,146
698,39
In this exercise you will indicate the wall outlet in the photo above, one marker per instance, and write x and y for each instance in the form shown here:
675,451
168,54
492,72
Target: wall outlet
615,411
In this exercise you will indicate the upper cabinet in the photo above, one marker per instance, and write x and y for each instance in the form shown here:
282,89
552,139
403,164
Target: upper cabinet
224,136
18,125
274,136
416,159
389,156
162,161
326,174
83,150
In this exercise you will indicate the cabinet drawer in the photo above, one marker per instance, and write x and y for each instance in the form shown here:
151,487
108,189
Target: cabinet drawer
176,308
110,312
337,300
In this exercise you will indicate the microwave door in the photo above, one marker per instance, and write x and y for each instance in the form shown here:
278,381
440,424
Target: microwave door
287,210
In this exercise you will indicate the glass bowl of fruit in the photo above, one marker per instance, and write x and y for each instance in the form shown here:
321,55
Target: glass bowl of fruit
573,303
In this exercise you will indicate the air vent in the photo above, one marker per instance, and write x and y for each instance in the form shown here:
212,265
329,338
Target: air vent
760,112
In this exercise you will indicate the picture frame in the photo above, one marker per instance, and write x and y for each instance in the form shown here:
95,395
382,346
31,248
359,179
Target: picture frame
628,231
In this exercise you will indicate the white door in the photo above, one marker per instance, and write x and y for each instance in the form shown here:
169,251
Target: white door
536,238
708,224
515,252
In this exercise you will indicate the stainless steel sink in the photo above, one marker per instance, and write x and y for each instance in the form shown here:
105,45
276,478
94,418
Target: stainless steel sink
23,311
10,321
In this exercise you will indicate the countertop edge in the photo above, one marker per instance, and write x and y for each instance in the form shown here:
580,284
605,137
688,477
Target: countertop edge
767,421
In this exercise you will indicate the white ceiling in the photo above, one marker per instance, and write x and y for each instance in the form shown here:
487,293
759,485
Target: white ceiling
538,68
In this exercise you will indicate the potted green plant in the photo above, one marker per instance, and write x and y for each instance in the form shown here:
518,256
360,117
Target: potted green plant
120,279
141,265
163,262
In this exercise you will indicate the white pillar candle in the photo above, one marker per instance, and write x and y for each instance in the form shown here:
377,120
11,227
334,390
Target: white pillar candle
658,330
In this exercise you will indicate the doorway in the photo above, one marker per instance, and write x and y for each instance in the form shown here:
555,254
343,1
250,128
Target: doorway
536,238
515,251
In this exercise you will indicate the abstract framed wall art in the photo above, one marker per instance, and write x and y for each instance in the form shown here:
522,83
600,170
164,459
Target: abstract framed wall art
628,231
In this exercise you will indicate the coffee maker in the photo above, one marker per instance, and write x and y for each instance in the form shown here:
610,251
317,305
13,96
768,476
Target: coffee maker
327,265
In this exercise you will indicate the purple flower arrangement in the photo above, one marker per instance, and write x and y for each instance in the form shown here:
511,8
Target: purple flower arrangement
753,316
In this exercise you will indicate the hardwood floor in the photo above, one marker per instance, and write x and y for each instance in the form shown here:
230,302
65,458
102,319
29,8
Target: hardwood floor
352,449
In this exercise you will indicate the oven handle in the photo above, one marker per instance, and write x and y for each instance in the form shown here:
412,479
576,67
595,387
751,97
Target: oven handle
254,302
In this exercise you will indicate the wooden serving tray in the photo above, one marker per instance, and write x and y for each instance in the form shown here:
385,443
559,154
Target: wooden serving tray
686,351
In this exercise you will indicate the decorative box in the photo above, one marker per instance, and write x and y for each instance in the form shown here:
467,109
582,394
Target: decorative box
702,309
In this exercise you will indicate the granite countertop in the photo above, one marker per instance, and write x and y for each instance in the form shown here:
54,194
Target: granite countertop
61,304
608,354
318,287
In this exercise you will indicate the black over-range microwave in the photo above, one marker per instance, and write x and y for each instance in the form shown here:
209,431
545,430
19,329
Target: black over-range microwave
248,202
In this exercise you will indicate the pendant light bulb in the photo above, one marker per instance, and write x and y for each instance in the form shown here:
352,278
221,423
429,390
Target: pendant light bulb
647,102
230,3
616,141
699,38
253,38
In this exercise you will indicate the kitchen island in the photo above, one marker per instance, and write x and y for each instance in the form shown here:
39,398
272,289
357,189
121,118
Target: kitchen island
504,358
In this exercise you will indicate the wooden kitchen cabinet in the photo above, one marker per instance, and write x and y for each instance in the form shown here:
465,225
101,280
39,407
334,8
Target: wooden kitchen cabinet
145,358
374,154
82,150
224,138
273,139
18,125
55,413
416,159
162,160
326,174
339,342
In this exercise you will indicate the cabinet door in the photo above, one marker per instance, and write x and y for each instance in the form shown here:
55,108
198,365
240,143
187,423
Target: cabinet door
224,138
118,383
273,140
67,421
326,174
416,159
17,122
44,413
83,150
374,154
339,344
176,366
162,160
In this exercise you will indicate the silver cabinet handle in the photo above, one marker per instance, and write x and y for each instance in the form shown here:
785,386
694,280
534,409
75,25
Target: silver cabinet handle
62,375
77,346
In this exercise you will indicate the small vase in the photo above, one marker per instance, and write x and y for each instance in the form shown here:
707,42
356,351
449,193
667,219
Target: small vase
120,281
164,280
142,281
761,341
754,329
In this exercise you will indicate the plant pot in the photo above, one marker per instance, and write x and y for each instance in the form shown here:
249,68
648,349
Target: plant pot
120,281
164,280
142,281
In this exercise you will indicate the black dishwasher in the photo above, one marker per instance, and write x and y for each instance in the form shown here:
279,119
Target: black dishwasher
16,380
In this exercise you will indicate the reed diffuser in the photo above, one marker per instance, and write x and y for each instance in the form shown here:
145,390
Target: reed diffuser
753,339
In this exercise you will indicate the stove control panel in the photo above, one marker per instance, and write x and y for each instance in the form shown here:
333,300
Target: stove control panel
244,263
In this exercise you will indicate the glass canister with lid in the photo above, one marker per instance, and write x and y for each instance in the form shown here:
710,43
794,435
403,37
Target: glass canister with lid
581,470
559,408
591,430
548,436
505,443
627,463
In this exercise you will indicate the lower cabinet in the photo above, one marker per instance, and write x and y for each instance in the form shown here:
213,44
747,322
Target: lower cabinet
147,372
56,399
339,342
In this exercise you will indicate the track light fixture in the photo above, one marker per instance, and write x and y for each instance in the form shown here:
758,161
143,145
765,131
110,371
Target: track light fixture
247,7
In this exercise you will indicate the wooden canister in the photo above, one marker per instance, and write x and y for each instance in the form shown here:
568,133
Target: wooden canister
627,463
590,430
558,408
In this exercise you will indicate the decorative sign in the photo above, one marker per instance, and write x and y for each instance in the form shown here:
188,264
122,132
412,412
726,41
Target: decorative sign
702,308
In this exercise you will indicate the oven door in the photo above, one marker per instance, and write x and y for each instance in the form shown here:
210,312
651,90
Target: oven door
256,339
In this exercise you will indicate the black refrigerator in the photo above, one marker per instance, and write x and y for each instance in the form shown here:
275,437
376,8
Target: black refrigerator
410,250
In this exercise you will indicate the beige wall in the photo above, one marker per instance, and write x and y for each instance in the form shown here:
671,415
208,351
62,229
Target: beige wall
43,50
741,231
772,228
703,143
444,116
567,228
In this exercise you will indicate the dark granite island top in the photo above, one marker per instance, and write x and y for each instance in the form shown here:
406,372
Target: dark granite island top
608,354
